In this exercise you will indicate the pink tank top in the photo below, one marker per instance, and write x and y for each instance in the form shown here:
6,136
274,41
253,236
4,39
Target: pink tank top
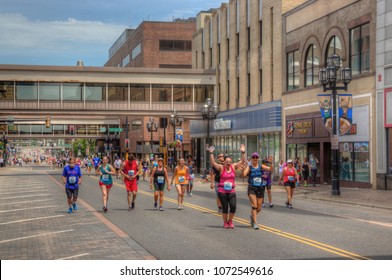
227,181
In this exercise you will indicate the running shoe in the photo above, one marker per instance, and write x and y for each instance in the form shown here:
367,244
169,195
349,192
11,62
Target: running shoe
287,204
182,207
252,222
190,194
70,210
271,205
226,225
129,208
105,209
255,227
160,208
133,205
231,225
290,206
263,205
179,207
155,206
75,207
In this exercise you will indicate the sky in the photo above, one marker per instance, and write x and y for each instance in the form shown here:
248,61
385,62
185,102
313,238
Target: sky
61,32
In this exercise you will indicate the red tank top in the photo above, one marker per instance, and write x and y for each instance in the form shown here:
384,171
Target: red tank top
130,168
289,175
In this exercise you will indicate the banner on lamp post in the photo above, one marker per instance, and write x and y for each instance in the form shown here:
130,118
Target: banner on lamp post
345,113
325,103
179,134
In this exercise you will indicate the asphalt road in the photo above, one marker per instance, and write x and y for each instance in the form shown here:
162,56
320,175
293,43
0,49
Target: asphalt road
311,230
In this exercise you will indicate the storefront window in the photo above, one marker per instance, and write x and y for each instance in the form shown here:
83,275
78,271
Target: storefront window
354,161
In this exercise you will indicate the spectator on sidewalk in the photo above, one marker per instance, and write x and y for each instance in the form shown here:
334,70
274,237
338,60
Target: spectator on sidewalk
313,161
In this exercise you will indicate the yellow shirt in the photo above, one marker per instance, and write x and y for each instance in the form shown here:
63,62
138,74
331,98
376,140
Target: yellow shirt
181,178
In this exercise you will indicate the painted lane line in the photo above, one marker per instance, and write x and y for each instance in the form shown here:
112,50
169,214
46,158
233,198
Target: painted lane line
20,192
24,196
75,256
29,220
24,202
36,235
30,208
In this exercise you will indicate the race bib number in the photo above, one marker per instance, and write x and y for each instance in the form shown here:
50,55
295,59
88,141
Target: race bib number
72,180
228,186
257,181
181,179
160,179
131,172
291,178
105,177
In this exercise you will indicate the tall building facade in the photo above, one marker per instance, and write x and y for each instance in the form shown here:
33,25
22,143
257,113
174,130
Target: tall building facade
312,32
242,41
384,94
155,45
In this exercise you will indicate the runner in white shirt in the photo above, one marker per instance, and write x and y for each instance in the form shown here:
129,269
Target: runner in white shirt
117,166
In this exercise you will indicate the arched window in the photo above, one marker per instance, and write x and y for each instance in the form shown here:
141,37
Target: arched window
334,47
312,64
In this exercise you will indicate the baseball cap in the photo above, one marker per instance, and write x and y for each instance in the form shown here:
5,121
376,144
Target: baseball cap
289,161
255,155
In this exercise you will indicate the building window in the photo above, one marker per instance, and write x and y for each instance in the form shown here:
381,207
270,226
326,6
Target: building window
161,93
182,93
118,92
312,64
181,66
175,45
140,92
49,91
6,90
72,91
125,60
293,70
135,52
95,92
26,91
354,161
360,49
334,47
202,92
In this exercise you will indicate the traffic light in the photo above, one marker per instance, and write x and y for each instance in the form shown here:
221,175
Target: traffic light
47,122
126,143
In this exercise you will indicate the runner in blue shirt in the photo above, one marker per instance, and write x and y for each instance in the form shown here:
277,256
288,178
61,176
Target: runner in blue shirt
72,178
96,162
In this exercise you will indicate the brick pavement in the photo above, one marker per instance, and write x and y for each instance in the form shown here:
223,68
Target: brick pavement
34,224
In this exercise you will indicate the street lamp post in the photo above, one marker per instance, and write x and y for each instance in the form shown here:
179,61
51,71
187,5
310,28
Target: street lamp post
328,78
175,120
152,127
209,112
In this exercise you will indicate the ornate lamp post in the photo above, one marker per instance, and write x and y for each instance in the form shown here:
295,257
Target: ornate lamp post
209,112
152,127
328,78
175,120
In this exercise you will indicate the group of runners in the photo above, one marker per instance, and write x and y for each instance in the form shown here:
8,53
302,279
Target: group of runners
223,179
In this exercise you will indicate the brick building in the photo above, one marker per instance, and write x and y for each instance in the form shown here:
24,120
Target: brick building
154,45
312,32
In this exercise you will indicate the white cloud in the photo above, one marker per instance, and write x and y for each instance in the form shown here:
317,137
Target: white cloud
18,33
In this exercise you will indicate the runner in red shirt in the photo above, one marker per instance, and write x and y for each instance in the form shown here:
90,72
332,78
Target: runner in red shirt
130,170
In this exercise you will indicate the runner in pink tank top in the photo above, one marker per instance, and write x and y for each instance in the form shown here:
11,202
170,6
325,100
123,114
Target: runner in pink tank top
226,188
288,177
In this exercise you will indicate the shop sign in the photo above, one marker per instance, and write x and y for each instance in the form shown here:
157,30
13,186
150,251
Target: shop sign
220,124
300,129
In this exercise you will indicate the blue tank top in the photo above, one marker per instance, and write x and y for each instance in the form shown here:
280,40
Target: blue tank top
105,177
255,178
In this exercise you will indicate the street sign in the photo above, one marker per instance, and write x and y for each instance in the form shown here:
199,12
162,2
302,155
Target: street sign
115,129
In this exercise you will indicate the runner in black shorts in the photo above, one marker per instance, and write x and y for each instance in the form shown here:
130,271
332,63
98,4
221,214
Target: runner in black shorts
158,179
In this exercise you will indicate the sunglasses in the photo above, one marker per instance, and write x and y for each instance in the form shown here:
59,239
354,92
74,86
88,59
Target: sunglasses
255,157
220,156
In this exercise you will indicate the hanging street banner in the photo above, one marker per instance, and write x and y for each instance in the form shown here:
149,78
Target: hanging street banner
179,134
325,103
345,113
